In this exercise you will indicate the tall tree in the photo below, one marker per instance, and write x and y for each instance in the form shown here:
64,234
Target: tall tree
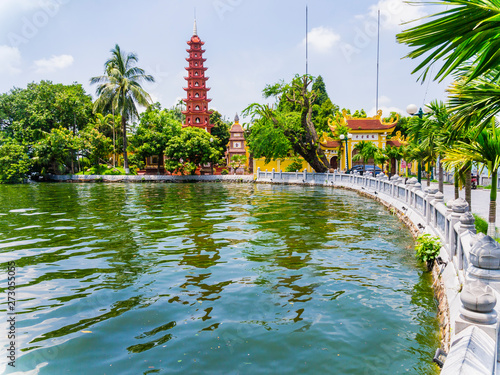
120,91
156,128
484,149
28,114
323,108
280,130
220,131
189,149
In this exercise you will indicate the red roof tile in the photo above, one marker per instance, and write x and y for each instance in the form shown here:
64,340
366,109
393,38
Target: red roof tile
331,144
367,124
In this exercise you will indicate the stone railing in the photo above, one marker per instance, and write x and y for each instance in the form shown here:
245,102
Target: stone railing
469,263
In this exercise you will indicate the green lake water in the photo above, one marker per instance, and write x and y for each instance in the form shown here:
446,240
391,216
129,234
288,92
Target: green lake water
211,279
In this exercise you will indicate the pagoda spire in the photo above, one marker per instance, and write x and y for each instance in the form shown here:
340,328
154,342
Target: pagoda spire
195,29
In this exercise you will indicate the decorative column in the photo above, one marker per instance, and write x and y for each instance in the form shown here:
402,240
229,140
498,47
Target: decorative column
458,207
431,194
478,308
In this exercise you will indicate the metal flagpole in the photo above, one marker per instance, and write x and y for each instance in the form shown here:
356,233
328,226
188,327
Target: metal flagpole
307,29
378,59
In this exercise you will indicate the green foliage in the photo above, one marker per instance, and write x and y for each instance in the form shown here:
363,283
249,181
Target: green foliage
480,224
189,149
220,132
120,91
28,114
267,138
14,162
427,248
95,146
154,132
55,151
359,114
106,170
237,161
295,165
287,129
224,172
466,32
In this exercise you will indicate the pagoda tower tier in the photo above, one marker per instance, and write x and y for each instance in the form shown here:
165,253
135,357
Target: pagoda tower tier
197,112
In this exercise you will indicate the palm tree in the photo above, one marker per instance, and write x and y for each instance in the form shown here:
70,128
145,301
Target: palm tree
119,90
393,152
360,147
366,151
475,100
484,149
467,31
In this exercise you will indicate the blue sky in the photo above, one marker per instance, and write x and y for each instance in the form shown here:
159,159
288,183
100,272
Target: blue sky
249,43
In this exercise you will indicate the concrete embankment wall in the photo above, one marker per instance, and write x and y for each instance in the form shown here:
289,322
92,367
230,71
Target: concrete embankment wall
151,178
467,274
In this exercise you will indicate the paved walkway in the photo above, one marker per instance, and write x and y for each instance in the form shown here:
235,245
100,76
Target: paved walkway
480,200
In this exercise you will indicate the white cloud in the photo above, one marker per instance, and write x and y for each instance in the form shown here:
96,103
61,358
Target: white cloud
10,59
395,12
322,39
53,64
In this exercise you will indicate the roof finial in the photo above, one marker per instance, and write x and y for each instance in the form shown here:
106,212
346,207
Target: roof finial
195,31
236,118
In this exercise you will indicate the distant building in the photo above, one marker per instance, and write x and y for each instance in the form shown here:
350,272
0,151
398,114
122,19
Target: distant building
197,113
236,145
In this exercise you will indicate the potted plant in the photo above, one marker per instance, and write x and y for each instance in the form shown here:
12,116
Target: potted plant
427,249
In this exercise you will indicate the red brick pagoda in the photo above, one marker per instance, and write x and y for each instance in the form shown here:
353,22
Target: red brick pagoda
197,113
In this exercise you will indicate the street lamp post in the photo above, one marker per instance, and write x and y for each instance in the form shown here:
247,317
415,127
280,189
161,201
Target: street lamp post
413,110
346,138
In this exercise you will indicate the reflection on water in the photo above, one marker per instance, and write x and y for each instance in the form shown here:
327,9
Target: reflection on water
213,279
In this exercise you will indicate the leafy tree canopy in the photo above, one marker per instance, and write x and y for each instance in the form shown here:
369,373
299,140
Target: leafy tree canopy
189,149
220,131
277,131
156,128
28,114
14,161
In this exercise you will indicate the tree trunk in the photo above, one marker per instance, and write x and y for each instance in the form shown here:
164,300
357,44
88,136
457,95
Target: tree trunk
429,174
160,159
493,204
125,157
468,189
441,177
455,177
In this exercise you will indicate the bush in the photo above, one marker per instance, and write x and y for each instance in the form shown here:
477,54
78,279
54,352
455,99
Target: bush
224,172
481,224
296,165
14,163
427,248
104,170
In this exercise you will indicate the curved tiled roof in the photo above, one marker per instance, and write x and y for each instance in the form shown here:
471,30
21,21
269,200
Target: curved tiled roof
330,144
368,124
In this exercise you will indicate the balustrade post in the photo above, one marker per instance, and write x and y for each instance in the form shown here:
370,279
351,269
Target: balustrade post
478,308
438,198
458,207
431,194
305,175
258,173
